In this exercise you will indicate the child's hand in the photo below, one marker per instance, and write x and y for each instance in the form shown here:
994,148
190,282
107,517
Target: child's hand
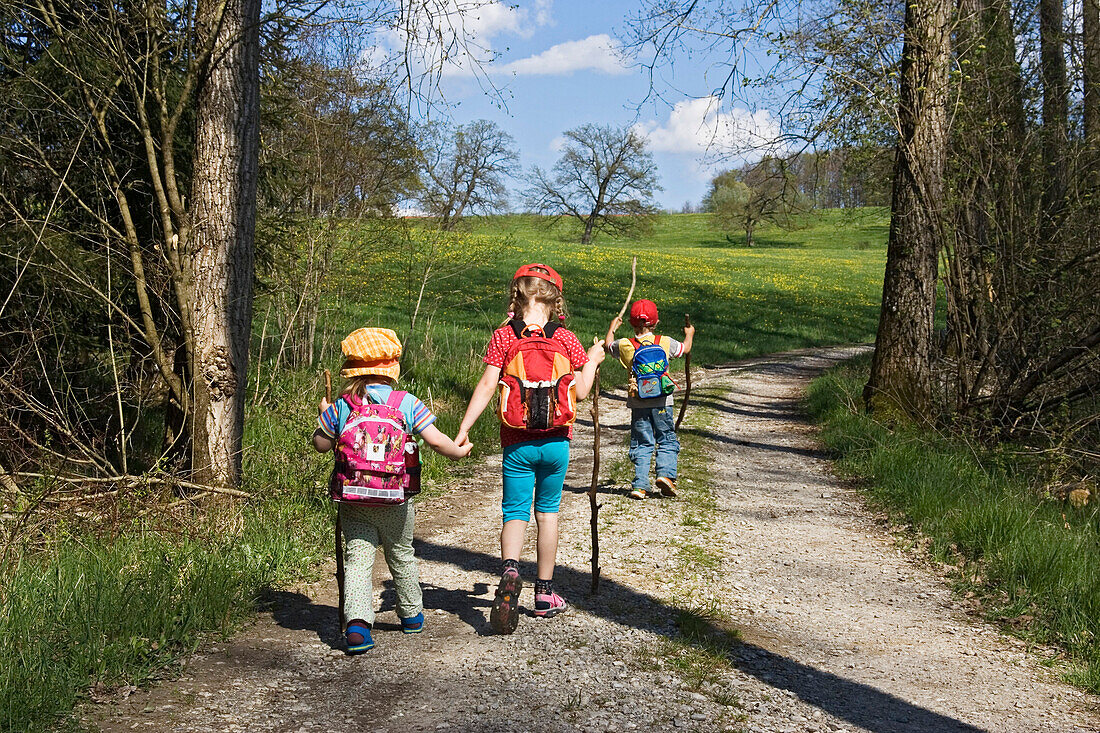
463,450
596,352
615,323
689,331
325,404
462,438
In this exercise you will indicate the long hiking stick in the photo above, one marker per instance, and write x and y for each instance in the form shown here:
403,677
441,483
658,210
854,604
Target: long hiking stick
595,483
593,489
633,282
687,378
339,528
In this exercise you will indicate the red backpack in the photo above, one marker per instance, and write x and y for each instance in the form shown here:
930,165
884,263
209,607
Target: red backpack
537,389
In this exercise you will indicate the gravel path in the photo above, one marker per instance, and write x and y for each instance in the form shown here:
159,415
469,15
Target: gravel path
840,630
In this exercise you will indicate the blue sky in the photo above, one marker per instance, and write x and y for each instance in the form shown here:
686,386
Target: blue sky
556,64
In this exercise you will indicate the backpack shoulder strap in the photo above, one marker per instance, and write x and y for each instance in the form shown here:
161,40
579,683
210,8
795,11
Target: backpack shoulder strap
637,344
395,398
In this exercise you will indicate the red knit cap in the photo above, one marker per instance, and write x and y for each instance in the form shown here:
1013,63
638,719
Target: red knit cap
643,313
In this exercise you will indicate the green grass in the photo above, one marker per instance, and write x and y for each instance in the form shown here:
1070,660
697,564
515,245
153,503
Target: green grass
1028,561
115,611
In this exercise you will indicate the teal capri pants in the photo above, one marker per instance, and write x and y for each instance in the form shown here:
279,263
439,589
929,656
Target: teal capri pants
534,469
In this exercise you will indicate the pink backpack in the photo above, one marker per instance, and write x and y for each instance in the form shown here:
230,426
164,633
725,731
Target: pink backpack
377,460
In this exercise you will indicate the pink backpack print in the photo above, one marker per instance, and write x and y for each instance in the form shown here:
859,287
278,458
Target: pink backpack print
377,461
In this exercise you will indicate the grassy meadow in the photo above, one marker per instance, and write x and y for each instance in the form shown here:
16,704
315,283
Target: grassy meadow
83,612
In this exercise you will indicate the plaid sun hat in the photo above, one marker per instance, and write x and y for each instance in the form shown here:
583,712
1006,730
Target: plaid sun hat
371,351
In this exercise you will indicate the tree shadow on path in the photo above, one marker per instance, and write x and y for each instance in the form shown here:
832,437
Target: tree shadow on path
856,702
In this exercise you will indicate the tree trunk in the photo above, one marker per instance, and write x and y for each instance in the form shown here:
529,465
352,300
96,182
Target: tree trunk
1052,61
748,236
1091,62
901,371
223,195
589,224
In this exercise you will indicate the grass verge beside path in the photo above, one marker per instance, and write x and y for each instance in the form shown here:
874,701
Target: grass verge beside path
1023,560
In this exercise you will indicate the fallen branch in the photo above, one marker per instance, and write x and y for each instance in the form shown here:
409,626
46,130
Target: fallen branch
133,481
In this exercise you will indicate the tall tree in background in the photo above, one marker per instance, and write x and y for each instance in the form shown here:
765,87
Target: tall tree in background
764,192
223,196
1090,44
901,370
465,167
605,179
1052,67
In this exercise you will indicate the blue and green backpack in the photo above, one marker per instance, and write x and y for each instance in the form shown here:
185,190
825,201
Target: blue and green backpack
650,369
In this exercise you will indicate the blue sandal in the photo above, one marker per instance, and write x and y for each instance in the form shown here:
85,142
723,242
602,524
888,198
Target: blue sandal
364,643
413,624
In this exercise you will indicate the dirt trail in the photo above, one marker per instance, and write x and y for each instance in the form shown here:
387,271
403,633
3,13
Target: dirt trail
842,631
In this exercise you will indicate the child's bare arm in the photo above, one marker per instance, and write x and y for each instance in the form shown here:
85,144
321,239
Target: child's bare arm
321,442
483,392
587,375
438,441
689,336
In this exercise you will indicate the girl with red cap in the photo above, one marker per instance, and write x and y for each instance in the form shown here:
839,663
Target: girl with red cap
536,427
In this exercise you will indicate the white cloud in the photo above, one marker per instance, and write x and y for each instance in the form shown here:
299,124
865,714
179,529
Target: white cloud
700,126
597,53
456,37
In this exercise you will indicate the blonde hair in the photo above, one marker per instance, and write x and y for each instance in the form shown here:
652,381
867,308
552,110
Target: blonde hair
358,385
527,290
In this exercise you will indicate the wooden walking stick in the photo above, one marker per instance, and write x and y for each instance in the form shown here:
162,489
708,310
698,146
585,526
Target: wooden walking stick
687,378
596,444
633,281
595,482
339,528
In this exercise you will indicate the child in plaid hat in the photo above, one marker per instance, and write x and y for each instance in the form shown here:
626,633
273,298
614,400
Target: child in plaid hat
371,369
652,427
535,460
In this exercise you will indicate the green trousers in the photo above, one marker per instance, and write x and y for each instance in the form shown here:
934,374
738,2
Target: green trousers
365,529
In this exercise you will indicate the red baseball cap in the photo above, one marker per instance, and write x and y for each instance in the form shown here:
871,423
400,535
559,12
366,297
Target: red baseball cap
550,275
643,311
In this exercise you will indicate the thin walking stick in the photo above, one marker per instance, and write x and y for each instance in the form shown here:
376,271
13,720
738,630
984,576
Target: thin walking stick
687,378
593,489
633,281
339,528
595,483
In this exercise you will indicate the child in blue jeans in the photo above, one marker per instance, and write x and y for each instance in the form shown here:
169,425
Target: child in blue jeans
534,461
652,427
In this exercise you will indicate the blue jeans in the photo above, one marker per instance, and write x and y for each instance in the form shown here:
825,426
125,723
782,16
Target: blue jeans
653,427
534,470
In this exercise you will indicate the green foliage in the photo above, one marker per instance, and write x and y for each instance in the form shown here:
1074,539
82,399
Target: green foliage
1030,559
114,611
